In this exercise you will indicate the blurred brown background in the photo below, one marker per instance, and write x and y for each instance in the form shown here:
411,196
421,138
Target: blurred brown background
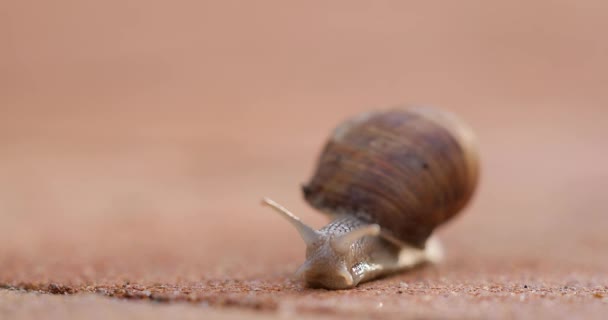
138,136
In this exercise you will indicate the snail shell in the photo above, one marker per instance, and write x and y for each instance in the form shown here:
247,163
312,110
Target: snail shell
406,170
386,179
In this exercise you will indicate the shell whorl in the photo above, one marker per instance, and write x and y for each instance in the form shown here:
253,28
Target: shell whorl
408,170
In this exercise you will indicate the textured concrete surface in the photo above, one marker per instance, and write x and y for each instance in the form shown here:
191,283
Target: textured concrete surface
137,140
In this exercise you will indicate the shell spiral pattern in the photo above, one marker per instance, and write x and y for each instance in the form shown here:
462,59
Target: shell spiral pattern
408,170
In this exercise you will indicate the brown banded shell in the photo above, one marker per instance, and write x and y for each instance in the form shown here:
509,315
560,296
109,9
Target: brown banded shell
407,170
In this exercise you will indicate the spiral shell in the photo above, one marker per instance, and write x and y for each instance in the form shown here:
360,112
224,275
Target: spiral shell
408,170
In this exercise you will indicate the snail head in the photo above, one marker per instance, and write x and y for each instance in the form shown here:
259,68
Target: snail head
329,256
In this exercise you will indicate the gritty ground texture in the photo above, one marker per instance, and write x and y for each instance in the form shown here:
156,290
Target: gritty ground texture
138,139
434,293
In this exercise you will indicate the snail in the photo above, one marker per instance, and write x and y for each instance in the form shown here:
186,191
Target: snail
386,179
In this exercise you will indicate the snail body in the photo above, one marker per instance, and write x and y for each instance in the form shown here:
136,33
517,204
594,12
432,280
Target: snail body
387,180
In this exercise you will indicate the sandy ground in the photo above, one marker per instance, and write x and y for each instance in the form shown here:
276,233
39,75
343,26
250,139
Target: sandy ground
137,140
